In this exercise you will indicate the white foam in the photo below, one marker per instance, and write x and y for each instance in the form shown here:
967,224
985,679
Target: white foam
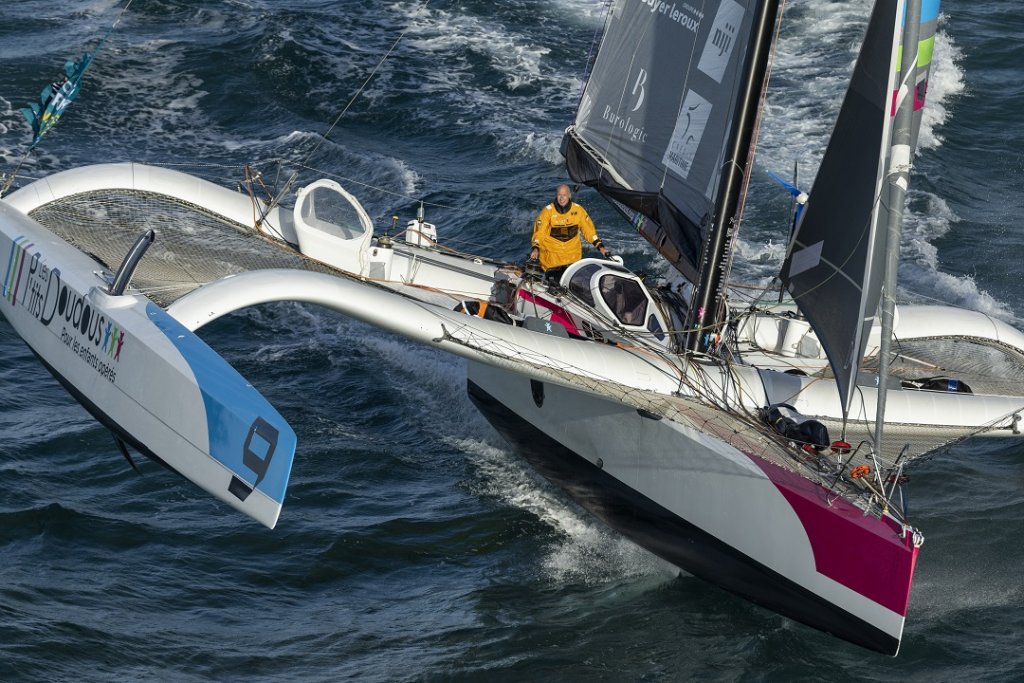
449,34
364,169
587,552
804,98
945,81
102,6
929,218
173,115
507,110
8,118
591,12
810,75
759,259
544,145
409,180
816,52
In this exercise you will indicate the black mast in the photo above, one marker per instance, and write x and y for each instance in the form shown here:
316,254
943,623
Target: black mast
708,299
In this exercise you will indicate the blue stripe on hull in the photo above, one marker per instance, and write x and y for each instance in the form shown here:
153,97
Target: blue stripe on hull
245,433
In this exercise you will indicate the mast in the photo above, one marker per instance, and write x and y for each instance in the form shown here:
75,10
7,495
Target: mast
708,296
898,177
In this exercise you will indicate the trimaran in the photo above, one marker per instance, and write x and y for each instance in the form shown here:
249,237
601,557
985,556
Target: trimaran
736,439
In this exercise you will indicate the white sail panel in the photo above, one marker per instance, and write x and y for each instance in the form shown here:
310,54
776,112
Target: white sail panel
717,52
686,136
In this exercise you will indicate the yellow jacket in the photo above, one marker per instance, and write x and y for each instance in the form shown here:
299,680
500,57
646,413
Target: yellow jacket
557,234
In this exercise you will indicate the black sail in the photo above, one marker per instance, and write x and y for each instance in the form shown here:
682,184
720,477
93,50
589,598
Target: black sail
834,266
656,115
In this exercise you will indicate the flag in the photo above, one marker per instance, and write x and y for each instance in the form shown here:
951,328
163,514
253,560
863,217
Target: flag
55,98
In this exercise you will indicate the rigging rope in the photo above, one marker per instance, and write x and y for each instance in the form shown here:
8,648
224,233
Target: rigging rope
323,138
14,174
589,63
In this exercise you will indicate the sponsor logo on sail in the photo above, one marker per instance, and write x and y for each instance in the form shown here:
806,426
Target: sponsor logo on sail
638,89
634,131
682,13
625,124
718,49
686,136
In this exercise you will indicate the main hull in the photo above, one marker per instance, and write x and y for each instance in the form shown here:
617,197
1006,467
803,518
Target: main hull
726,516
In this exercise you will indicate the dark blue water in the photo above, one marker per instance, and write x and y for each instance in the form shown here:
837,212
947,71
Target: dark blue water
413,544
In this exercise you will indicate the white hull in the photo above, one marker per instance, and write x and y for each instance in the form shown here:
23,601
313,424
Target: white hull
139,372
710,508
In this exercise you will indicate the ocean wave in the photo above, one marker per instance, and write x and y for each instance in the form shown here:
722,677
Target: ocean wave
586,551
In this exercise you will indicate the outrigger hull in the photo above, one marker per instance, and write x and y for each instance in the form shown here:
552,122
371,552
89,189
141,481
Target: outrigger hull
154,384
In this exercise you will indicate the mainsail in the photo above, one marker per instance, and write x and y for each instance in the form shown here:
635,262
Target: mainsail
654,122
834,266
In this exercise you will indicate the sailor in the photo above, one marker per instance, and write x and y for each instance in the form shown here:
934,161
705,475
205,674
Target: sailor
557,232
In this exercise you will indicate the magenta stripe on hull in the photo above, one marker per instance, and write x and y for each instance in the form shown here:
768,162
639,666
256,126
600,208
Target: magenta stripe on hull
874,557
558,314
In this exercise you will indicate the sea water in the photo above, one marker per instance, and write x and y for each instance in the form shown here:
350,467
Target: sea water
414,545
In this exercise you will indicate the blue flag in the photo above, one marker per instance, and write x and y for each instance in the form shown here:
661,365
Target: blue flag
55,98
